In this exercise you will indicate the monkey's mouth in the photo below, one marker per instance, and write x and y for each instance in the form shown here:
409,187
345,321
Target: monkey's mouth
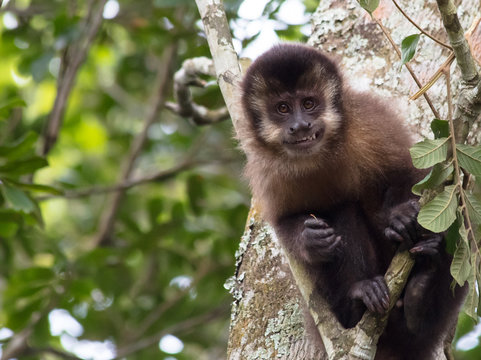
306,140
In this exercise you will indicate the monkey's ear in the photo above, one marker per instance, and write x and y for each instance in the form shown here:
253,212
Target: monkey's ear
244,62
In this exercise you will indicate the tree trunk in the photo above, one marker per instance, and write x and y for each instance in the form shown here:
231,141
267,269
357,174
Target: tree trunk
267,313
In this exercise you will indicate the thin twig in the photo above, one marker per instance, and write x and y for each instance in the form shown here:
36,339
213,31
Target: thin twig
52,351
73,58
413,75
154,315
162,175
421,29
182,326
435,77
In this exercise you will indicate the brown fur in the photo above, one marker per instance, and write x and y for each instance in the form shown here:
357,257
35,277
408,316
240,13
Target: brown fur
356,177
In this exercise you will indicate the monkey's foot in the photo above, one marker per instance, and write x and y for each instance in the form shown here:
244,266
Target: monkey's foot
373,293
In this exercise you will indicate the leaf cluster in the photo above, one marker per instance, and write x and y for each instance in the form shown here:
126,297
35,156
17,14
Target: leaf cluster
453,209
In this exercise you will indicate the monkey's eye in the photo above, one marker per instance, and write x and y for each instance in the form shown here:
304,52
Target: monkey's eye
283,108
308,104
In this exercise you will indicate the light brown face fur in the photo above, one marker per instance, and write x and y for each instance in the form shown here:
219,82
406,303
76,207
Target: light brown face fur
273,132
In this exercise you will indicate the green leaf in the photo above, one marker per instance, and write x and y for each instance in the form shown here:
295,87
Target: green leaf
369,5
438,214
18,199
460,266
35,187
8,228
408,47
452,234
437,176
440,128
21,167
429,152
7,106
472,299
19,147
14,102
474,208
469,158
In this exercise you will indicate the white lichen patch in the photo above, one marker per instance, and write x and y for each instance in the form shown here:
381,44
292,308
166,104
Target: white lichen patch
281,330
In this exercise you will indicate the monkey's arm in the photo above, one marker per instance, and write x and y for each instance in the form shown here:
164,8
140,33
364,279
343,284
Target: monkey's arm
336,263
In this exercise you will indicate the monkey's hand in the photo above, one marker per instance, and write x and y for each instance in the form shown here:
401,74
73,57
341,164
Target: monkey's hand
430,245
373,293
403,225
319,243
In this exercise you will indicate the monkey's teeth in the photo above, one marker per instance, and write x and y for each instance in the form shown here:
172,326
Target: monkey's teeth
308,138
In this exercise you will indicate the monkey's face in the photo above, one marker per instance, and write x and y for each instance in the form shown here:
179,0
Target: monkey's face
292,98
295,122
299,123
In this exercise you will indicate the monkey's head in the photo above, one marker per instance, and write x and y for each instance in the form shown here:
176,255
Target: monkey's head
292,99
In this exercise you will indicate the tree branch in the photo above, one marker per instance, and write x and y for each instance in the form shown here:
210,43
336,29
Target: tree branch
182,326
155,315
158,98
226,64
159,176
187,76
53,351
468,105
73,58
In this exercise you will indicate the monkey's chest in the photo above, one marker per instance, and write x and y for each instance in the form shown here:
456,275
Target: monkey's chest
308,194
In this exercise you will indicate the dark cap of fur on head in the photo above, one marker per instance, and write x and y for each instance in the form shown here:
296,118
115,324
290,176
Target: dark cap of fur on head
284,65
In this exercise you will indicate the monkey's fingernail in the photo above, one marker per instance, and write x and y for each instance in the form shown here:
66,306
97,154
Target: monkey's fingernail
416,249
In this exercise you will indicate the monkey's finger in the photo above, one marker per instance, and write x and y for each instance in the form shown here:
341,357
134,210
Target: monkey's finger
421,250
318,234
336,241
315,223
392,235
335,244
410,223
377,297
319,244
366,299
383,291
374,301
428,247
399,227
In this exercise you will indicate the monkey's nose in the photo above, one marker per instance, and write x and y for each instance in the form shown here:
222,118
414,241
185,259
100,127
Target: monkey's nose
299,126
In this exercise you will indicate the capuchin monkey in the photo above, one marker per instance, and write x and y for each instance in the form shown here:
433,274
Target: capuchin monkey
330,170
